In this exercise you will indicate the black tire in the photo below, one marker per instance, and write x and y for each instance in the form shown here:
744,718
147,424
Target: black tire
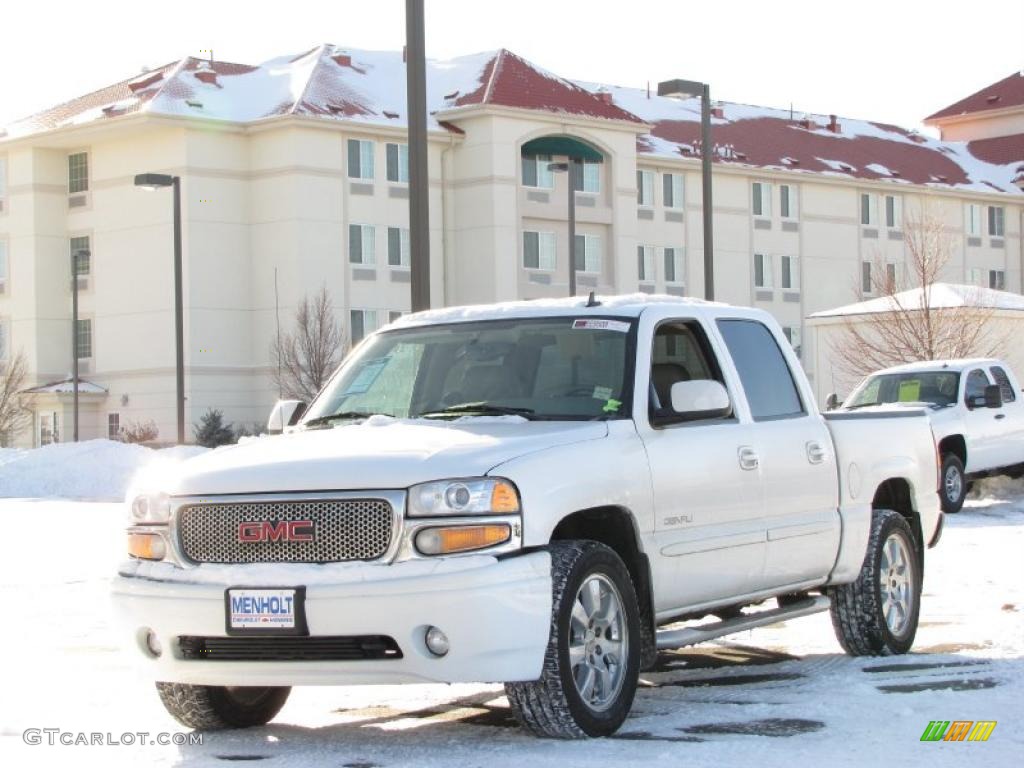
553,706
952,500
214,707
858,609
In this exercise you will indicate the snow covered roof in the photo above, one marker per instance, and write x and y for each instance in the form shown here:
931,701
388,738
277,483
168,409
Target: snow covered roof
334,83
1008,92
67,387
942,296
958,365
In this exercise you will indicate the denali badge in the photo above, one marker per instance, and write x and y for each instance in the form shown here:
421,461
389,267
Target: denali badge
269,530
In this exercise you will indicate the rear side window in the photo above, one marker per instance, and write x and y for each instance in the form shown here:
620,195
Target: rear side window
1004,384
763,370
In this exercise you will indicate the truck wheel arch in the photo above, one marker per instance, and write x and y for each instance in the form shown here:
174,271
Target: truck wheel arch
616,528
954,444
897,495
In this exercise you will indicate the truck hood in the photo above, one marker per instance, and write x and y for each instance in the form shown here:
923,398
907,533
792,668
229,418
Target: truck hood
379,453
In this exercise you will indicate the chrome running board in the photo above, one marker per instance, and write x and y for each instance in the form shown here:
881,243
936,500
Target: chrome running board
677,638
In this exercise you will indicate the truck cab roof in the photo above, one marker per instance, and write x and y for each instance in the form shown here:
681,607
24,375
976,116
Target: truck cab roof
955,366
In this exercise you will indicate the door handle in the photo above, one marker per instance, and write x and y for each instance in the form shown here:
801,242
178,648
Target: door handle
748,458
1000,415
816,452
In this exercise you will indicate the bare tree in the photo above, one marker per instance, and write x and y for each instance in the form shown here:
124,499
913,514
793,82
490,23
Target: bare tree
14,415
305,357
139,432
908,326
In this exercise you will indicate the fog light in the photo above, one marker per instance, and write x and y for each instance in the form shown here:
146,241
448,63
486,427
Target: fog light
153,644
437,641
146,546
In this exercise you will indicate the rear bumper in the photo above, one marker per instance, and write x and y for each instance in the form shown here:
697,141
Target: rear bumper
496,615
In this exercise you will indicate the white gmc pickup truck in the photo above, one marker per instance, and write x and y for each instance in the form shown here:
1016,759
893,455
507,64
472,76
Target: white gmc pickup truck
540,494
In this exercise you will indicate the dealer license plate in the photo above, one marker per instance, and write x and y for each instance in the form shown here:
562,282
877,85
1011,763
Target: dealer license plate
274,611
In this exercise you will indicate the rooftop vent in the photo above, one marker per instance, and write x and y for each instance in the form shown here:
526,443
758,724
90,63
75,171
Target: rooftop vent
390,115
193,103
604,96
139,85
452,95
342,59
207,76
833,124
809,123
718,112
993,98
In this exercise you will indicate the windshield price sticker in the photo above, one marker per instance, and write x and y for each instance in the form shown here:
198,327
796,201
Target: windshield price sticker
366,376
594,324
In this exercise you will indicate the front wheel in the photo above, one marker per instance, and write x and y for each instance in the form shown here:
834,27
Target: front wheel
877,614
592,662
214,707
954,486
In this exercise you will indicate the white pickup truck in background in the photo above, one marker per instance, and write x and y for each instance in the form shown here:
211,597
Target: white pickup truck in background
976,412
541,494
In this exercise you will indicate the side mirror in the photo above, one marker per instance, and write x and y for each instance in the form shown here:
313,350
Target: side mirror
701,399
993,396
285,413
832,401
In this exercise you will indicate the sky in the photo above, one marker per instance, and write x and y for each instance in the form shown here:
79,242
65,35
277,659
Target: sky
893,61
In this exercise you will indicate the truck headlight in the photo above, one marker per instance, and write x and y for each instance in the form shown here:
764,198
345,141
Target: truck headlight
469,496
151,508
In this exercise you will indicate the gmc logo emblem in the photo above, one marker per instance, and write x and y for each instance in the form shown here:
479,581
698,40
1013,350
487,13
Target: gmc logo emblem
269,530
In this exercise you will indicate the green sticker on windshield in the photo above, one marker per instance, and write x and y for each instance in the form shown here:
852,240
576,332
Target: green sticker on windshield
910,391
612,406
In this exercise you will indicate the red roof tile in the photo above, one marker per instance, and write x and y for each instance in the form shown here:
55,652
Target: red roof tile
1002,150
1008,92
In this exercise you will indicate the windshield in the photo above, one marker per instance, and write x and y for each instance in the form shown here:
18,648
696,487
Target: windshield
938,388
548,368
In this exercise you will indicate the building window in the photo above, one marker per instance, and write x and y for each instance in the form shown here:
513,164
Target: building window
588,253
893,211
868,210
975,276
673,190
83,339
972,219
762,199
113,426
645,188
997,279
398,162
362,322
82,256
794,337
763,277
539,250
536,172
996,216
787,201
586,176
4,267
361,245
360,159
790,273
867,284
645,263
394,314
49,428
78,172
891,282
675,268
398,247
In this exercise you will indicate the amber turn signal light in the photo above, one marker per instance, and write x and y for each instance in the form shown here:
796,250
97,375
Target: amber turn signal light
504,499
146,546
462,538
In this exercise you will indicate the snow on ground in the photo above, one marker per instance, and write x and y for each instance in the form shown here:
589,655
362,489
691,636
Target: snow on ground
92,469
782,695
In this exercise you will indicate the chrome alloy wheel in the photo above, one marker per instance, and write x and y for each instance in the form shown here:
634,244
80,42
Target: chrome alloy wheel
953,483
598,642
896,574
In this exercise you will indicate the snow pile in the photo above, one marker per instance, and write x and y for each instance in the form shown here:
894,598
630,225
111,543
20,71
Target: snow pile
94,469
999,488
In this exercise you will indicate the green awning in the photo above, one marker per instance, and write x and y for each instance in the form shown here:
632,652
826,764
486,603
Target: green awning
562,145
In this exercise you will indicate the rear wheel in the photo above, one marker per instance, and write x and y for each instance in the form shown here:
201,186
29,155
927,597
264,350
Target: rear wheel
214,707
954,485
877,614
592,662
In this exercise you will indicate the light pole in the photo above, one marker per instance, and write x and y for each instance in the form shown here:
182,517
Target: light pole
694,88
567,168
156,181
419,182
75,257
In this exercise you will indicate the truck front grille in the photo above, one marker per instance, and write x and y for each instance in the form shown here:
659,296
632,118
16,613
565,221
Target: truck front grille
341,530
334,648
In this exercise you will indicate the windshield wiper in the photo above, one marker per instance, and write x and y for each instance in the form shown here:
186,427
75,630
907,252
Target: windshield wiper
320,421
479,409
